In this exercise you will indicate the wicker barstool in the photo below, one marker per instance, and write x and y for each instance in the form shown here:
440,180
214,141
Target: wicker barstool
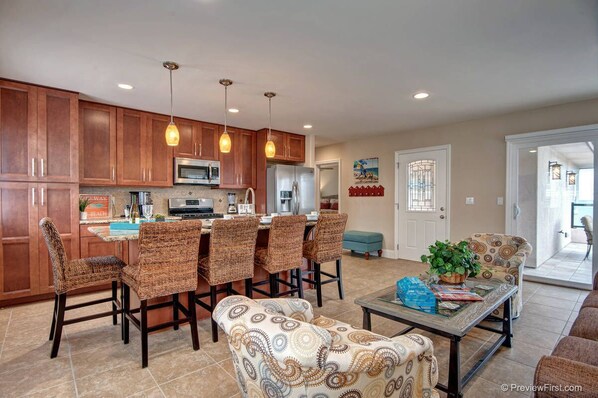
76,274
167,266
327,245
284,253
230,259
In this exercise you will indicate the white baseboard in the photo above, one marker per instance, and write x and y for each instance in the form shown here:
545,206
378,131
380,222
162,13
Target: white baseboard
393,254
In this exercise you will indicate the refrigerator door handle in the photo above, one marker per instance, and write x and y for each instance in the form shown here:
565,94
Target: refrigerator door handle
298,201
295,193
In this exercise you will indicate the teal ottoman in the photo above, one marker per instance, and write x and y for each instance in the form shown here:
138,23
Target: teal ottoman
363,242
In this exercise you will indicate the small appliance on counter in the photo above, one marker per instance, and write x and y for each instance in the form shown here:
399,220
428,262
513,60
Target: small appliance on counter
195,208
232,203
141,198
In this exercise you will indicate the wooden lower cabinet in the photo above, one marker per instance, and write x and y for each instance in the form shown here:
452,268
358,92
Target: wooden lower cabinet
25,267
92,246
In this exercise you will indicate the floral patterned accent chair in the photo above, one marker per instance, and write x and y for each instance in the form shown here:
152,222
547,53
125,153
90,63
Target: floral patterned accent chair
280,350
502,258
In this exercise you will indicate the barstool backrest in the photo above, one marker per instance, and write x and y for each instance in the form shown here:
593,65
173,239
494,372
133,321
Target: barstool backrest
285,243
232,247
57,252
168,253
328,237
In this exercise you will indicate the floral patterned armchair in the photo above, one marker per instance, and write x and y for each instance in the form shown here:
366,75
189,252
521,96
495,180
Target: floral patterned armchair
502,257
280,350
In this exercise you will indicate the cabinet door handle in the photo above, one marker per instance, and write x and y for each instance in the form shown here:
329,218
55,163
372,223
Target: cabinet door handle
32,196
143,174
194,149
41,164
113,174
149,174
42,196
199,150
32,167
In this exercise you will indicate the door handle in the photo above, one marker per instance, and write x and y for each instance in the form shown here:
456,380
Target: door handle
199,150
143,174
149,178
113,174
41,163
442,209
32,167
516,211
442,217
42,196
32,196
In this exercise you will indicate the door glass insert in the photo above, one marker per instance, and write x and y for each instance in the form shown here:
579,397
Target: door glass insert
421,184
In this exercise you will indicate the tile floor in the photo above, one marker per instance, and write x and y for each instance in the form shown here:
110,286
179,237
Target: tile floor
93,362
568,265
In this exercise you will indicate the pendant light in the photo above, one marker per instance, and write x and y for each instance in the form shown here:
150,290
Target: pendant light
270,147
172,132
225,142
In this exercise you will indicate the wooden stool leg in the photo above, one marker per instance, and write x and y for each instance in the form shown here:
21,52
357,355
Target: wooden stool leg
193,321
339,274
299,282
53,327
248,287
318,280
114,298
213,300
175,310
59,323
273,285
126,310
229,289
144,334
122,311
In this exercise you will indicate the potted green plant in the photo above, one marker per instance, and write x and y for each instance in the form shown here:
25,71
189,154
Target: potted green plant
83,203
160,217
452,262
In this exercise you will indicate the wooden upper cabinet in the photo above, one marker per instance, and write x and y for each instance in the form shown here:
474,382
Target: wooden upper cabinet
295,148
279,139
188,143
159,156
97,144
229,177
208,146
58,138
19,269
131,144
245,153
18,131
60,202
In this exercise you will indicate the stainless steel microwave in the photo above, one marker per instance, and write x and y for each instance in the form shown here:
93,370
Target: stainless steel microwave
197,172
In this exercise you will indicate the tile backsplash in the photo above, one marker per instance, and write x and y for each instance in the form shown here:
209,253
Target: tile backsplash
160,196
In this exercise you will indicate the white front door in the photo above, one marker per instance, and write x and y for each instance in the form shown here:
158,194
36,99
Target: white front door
422,200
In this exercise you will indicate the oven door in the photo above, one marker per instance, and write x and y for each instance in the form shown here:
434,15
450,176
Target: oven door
192,171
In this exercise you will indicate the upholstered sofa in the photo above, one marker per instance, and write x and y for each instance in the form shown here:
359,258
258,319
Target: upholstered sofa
280,350
502,257
574,360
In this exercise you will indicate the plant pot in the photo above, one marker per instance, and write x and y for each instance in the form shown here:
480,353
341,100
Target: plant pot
82,215
454,279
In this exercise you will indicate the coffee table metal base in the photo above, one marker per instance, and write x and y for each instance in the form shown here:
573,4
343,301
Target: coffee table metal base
455,381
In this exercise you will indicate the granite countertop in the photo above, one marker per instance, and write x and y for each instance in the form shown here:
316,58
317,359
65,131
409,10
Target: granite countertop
114,219
107,235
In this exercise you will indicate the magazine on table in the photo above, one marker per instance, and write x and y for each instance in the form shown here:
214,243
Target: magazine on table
455,293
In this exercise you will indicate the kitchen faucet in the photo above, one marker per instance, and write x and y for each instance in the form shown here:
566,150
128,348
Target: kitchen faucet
250,209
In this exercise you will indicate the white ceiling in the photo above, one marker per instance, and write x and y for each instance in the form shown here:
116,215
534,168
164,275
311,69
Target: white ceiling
580,153
349,67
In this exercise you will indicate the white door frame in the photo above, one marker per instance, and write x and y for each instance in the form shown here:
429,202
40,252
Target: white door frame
446,148
587,133
317,168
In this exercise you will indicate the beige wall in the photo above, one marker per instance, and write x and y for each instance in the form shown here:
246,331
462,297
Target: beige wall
478,152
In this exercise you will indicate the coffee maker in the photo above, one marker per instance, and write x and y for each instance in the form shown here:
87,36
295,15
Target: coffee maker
232,203
141,198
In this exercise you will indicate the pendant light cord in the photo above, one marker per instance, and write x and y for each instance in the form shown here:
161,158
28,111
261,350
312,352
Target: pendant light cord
171,108
270,119
225,105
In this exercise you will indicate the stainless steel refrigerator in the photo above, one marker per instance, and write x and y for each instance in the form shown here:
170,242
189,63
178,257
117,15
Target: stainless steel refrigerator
290,189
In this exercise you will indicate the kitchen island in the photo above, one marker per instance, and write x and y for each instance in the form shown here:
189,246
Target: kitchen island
165,314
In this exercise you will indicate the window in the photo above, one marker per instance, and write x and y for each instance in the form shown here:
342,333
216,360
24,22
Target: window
421,184
585,184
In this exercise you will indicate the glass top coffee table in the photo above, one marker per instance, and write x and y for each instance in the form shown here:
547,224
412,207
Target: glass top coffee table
453,324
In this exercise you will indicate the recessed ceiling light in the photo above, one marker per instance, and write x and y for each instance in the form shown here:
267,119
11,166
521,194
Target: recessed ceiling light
125,86
421,95
233,110
307,126
533,150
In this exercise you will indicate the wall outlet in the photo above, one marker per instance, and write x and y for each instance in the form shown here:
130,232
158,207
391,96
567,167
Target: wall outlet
470,200
500,201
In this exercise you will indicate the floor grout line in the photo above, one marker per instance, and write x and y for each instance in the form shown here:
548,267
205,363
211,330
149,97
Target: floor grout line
5,334
155,381
73,369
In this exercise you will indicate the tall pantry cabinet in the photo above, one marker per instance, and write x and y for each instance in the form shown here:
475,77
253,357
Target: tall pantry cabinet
39,174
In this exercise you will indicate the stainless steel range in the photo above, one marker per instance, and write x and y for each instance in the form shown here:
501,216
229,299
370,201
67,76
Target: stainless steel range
192,208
